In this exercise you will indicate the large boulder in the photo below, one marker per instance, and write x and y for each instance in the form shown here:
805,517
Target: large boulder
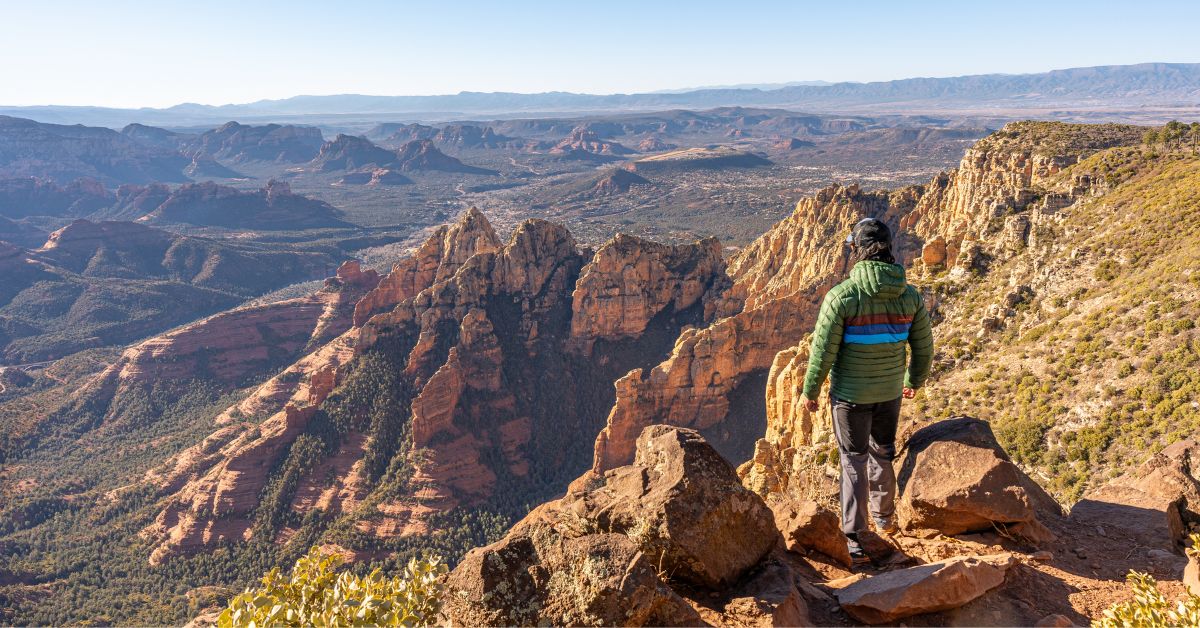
629,548
929,588
546,571
955,478
806,525
682,504
1150,505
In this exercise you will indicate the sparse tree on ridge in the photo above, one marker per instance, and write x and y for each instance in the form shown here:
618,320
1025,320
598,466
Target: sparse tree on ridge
1172,132
1150,138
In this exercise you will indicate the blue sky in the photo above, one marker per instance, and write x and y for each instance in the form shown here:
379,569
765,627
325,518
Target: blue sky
130,53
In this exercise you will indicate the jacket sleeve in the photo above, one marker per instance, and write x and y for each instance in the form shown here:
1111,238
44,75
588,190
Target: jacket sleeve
920,340
826,342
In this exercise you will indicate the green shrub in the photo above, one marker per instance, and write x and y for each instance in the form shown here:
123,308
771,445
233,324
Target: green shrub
316,595
1148,608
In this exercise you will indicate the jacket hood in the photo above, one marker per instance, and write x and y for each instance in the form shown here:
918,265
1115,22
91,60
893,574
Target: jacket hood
879,279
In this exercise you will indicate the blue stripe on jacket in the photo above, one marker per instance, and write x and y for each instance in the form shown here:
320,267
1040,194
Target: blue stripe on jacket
874,339
878,328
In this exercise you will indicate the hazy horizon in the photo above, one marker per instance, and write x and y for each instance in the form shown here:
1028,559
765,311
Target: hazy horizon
133,54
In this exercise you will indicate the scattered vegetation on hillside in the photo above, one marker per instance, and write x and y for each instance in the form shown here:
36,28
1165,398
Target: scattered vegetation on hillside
1098,356
1173,134
1060,138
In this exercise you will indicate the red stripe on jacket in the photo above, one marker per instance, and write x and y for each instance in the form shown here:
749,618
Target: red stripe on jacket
876,319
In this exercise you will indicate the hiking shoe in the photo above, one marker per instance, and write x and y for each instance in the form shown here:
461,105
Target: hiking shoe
887,526
858,556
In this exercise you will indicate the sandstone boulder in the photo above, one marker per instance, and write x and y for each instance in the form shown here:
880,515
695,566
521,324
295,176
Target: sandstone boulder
629,548
806,525
938,586
545,572
682,504
955,478
934,252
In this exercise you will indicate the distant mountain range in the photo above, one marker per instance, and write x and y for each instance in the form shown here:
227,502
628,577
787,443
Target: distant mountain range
1122,87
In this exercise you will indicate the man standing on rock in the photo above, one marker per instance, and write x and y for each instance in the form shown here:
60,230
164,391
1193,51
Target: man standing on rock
862,333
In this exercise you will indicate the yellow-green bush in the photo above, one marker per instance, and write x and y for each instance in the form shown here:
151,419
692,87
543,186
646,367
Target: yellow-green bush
315,594
1149,608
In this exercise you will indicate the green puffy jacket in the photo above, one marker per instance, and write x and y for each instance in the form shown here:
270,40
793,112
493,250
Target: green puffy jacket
866,323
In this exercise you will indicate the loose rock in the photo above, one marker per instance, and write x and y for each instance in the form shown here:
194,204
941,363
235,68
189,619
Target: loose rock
927,588
806,525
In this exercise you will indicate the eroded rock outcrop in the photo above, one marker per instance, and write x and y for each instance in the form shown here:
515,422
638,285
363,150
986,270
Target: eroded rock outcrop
684,504
274,206
422,155
598,556
442,254
215,486
1005,187
584,143
787,460
546,571
271,142
631,280
618,181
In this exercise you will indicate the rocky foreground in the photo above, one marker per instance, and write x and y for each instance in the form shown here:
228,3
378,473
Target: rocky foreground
675,539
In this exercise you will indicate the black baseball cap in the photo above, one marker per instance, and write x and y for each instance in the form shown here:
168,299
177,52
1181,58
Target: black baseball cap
867,231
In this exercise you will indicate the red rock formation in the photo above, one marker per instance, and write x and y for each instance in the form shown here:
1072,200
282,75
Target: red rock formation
584,143
618,181
271,142
654,144
1154,502
470,136
630,281
227,347
388,177
590,557
1010,171
422,155
437,259
225,474
350,152
272,207
215,491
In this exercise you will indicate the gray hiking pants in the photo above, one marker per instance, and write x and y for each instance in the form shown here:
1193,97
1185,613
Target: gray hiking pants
866,437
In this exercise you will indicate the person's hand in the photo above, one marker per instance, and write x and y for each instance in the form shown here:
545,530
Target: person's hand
810,404
908,393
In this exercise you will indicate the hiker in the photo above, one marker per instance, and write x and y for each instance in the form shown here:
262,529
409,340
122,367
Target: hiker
861,335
